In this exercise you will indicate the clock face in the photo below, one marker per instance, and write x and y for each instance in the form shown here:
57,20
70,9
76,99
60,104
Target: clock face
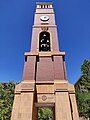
44,18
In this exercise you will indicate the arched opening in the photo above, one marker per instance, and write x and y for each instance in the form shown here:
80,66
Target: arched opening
44,41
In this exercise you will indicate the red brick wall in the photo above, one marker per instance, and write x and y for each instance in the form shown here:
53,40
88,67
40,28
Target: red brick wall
45,69
29,68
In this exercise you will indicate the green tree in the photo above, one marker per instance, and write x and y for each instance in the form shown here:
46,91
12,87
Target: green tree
6,99
83,90
45,113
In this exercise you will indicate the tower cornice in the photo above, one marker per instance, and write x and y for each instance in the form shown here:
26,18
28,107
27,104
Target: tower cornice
46,3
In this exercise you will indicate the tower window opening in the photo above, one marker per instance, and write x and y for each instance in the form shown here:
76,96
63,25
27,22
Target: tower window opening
48,6
44,41
41,6
45,6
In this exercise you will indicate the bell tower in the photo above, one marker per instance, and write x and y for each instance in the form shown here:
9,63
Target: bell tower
44,81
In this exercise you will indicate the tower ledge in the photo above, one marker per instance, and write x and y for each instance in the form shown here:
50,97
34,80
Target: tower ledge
44,3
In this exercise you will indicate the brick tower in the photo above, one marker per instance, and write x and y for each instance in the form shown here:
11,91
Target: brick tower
44,81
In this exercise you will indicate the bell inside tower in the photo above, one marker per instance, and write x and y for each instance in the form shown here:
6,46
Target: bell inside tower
44,41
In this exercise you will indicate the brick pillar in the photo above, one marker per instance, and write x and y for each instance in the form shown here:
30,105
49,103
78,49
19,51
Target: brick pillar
23,106
16,104
26,109
74,107
16,107
62,106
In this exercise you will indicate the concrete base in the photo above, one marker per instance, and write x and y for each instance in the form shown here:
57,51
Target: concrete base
30,95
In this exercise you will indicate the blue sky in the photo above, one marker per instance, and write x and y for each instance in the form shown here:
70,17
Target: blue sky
16,20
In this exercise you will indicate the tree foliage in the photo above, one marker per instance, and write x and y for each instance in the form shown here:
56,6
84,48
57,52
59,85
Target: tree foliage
6,99
45,113
83,90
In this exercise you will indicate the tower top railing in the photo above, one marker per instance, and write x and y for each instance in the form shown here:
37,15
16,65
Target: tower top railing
44,5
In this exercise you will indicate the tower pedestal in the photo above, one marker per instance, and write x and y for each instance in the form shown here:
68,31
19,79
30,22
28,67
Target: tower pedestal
31,95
